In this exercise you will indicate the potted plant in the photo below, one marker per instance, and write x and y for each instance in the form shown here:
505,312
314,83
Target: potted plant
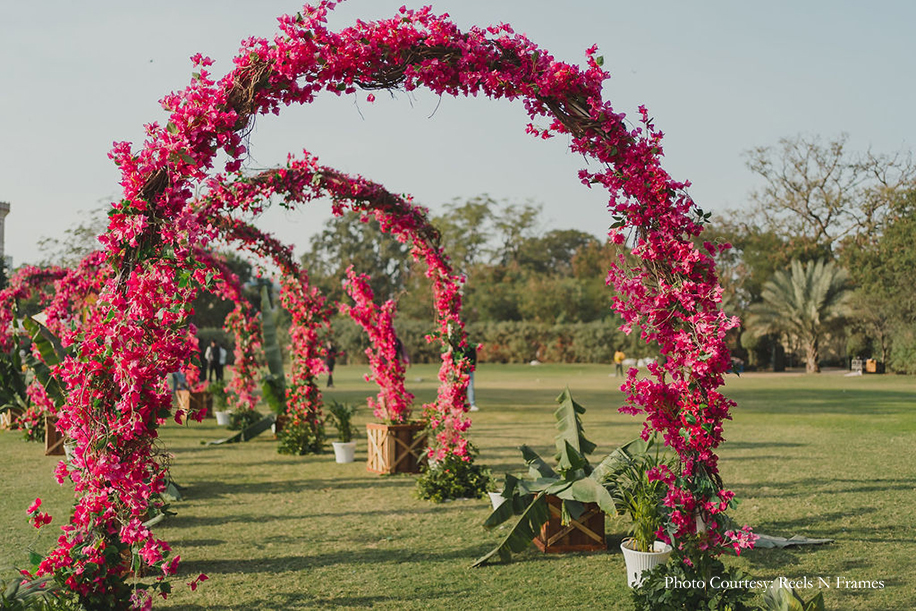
560,509
217,391
345,446
641,499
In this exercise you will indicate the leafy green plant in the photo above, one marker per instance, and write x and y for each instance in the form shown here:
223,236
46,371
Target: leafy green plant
301,438
273,385
660,589
52,353
217,390
342,415
12,381
574,481
638,496
780,598
243,418
22,594
454,478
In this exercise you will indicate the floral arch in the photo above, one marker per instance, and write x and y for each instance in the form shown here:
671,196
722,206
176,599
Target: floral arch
303,180
116,403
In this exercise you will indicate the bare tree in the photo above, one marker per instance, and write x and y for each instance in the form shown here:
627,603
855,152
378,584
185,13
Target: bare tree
824,193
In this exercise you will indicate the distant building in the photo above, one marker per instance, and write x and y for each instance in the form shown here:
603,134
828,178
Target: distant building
4,210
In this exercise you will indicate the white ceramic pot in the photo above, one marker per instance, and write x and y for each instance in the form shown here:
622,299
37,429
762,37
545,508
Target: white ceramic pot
639,562
497,499
69,449
344,452
222,418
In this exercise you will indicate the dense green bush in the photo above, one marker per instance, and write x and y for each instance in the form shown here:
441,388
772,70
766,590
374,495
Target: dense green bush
453,478
505,341
243,418
301,439
660,589
902,358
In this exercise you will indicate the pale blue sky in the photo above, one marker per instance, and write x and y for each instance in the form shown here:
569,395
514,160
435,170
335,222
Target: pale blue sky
719,78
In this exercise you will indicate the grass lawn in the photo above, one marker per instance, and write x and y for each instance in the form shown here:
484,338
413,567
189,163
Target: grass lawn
822,456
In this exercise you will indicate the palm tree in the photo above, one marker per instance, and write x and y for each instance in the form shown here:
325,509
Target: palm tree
804,303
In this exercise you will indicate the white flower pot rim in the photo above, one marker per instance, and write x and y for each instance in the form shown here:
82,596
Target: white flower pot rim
665,548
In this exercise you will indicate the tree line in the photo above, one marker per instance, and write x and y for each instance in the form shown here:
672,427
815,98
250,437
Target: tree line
822,265
822,269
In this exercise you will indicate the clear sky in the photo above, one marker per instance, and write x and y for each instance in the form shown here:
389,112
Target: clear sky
718,77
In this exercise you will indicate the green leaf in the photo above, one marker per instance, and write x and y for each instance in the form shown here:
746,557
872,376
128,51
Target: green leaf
272,351
52,353
599,60
35,558
521,535
517,500
570,433
248,433
588,490
536,465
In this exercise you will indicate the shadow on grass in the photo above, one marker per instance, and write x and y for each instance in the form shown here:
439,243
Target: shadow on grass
282,564
749,445
817,485
853,402
178,542
186,521
218,489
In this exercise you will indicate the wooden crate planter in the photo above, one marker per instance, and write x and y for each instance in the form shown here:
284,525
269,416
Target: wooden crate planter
54,441
396,448
583,535
194,401
9,418
281,421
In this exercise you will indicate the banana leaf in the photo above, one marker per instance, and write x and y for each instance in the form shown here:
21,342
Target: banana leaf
12,381
574,482
52,353
570,435
781,598
518,497
272,352
536,466
587,490
248,433
521,535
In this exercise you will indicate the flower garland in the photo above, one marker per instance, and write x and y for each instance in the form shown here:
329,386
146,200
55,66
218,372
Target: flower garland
24,283
117,399
303,180
309,313
392,405
242,323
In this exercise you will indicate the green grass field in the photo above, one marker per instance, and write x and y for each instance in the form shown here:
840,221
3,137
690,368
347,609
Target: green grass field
820,456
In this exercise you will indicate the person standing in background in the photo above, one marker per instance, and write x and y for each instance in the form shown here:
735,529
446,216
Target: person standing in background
470,353
619,356
213,358
330,359
222,362
204,362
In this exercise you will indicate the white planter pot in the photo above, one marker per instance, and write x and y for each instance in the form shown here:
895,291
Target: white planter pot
344,451
639,562
222,418
69,449
497,499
